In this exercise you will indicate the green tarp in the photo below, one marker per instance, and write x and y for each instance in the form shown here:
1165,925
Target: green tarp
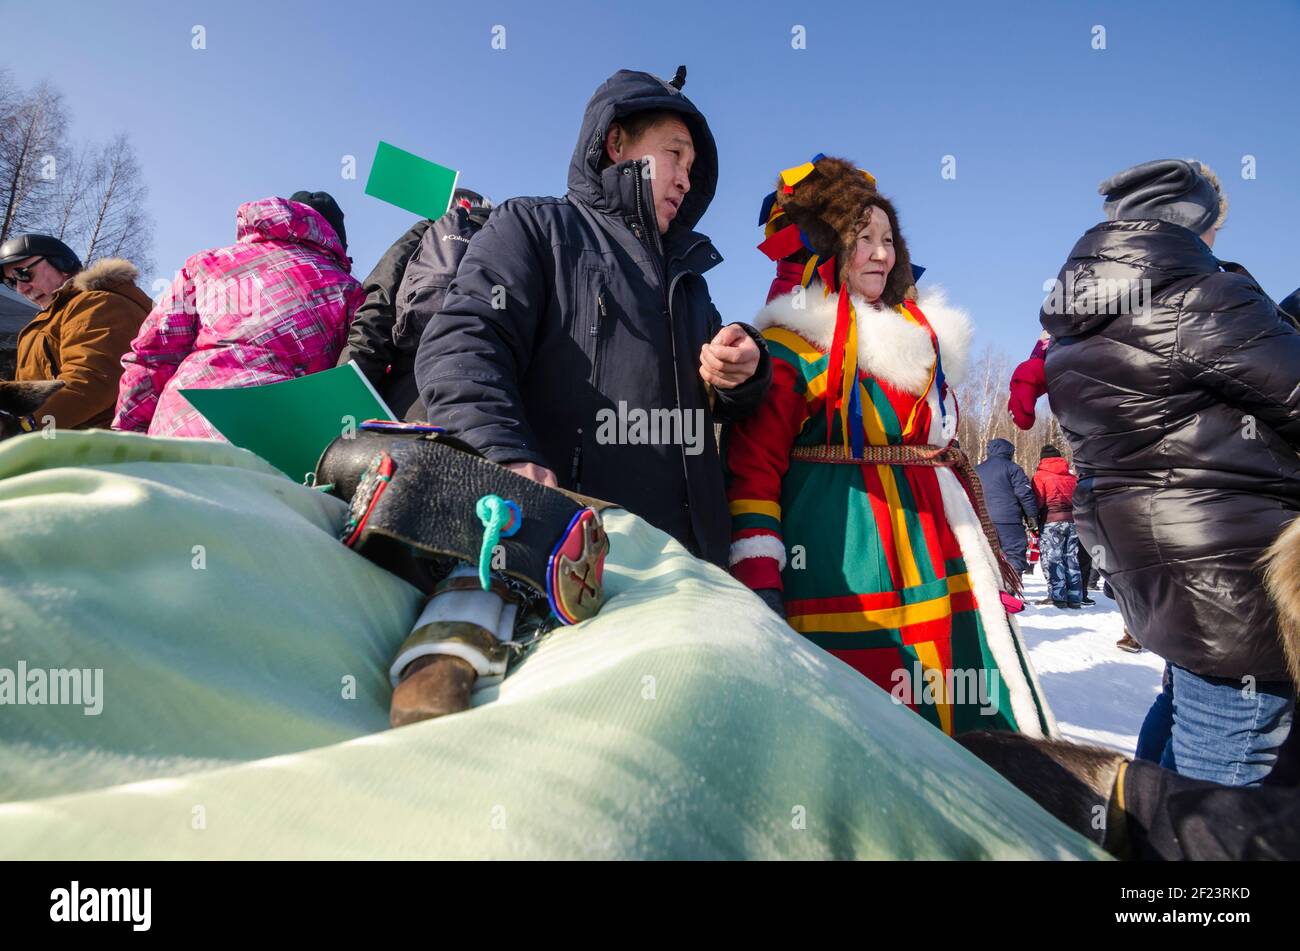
244,697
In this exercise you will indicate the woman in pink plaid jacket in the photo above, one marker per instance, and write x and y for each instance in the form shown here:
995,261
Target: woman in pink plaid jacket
273,306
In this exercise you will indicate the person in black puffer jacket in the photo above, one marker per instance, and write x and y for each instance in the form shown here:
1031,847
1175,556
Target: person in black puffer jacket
572,321
1290,307
403,292
1177,384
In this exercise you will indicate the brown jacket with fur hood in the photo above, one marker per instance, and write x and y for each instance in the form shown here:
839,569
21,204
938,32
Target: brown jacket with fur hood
80,339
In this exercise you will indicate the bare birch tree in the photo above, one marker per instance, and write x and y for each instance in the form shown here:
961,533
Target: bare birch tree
113,222
32,127
984,416
70,188
91,198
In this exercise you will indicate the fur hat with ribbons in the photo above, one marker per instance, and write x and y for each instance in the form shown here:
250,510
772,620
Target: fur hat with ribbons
814,217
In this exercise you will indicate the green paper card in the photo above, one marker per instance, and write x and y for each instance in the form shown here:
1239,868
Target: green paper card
289,424
410,182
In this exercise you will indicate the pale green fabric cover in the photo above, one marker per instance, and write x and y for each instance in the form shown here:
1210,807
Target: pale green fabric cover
684,721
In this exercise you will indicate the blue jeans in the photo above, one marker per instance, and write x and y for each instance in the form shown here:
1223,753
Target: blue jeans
1158,726
1213,728
1059,546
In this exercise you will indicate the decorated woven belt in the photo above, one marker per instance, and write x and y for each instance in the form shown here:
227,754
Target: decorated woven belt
947,457
912,455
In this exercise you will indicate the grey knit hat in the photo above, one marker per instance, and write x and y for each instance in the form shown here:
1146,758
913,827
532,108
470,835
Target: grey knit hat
1169,190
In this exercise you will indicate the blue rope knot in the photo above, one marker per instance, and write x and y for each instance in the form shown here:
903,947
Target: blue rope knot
501,518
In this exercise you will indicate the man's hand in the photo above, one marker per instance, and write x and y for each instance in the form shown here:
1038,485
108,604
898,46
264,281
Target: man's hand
729,359
532,470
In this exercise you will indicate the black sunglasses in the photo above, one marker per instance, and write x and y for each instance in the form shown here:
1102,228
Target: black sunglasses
23,274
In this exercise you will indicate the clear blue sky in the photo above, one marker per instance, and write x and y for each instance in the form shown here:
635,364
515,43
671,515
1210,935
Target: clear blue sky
1033,115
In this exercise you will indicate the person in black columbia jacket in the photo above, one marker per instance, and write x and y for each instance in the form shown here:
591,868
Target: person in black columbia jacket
1177,384
403,292
578,343
1009,498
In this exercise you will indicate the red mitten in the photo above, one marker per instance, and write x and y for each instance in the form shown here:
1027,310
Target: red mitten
1028,383
758,573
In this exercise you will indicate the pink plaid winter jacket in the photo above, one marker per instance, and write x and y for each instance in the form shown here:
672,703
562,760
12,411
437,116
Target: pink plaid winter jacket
273,306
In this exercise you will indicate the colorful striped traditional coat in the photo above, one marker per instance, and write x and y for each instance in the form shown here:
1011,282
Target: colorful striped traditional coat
884,566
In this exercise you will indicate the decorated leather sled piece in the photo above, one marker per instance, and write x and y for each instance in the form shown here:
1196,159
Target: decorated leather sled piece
503,559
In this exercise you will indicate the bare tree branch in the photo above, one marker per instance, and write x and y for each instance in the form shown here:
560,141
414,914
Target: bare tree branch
31,140
115,223
90,198
982,399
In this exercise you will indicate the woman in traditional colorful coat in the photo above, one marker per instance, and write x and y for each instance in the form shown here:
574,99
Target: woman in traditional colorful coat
852,510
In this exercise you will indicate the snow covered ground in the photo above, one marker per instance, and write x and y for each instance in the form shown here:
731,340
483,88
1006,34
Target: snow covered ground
1098,692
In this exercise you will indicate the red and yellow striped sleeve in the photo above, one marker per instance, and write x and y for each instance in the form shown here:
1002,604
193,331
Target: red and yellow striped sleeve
758,454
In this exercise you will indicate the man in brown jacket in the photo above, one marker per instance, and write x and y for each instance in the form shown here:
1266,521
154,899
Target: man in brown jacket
87,321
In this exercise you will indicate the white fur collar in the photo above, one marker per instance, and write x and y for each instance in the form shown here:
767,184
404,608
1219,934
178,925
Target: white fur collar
889,345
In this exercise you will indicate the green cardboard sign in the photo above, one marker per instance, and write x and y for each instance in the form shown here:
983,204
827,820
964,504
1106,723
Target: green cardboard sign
410,182
289,424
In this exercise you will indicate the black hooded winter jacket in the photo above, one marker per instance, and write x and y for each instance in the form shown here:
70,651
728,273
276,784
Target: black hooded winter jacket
566,308
1178,387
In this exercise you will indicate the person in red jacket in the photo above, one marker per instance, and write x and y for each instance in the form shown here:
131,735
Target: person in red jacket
1054,489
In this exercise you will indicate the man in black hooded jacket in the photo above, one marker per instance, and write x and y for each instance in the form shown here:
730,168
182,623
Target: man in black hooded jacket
1177,382
578,343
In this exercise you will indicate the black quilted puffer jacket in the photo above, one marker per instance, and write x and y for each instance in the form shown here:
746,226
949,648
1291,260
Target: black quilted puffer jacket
1178,386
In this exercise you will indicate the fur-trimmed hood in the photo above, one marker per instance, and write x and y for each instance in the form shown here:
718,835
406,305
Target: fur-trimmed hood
889,345
115,276
104,274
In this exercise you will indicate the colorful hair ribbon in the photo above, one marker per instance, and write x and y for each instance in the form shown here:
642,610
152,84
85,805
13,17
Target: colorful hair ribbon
793,176
843,390
783,243
850,417
937,379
